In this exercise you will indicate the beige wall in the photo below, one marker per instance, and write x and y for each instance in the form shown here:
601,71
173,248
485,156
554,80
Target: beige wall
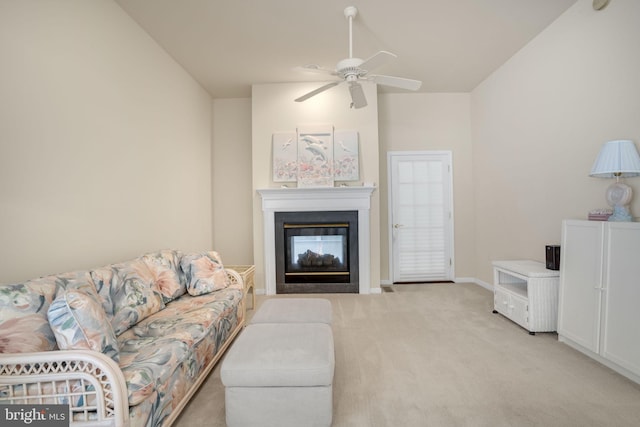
431,121
105,142
232,180
273,110
98,124
539,122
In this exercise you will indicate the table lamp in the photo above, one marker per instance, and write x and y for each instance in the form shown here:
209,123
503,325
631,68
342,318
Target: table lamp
618,159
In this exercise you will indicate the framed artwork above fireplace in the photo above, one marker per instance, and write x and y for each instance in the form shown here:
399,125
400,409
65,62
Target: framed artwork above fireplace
285,157
315,156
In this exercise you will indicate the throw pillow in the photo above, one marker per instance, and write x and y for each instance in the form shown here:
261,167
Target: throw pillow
204,273
167,274
128,293
78,322
23,317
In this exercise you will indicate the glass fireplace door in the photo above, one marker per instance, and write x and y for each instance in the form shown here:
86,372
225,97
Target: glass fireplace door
314,252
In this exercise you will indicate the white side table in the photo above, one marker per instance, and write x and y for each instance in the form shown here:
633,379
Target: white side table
527,293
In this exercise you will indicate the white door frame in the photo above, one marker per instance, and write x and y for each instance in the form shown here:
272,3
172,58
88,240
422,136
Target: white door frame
449,231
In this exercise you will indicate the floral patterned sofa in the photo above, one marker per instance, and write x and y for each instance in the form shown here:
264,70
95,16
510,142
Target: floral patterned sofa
127,344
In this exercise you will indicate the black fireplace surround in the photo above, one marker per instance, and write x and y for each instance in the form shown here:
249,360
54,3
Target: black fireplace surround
316,252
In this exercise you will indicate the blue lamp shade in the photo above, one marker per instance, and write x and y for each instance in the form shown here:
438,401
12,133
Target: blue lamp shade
617,159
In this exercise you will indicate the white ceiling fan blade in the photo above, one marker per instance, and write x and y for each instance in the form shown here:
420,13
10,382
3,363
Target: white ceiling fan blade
398,82
316,69
377,60
358,99
317,91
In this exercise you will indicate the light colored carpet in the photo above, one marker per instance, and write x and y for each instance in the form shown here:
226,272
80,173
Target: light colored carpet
436,355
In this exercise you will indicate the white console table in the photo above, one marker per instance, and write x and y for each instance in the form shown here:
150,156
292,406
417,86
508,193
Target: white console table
527,293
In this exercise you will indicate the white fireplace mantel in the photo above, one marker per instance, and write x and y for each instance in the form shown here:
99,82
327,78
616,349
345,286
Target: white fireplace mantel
317,199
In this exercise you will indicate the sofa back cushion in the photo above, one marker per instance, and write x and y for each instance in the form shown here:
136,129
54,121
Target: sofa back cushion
128,293
78,321
204,273
168,276
24,326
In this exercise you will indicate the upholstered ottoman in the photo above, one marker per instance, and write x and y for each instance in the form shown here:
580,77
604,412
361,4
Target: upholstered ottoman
280,374
294,310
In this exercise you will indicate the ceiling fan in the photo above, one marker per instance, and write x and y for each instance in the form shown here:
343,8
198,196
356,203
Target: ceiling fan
353,70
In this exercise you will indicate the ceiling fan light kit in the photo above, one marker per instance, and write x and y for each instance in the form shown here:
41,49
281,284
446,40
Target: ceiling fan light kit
353,70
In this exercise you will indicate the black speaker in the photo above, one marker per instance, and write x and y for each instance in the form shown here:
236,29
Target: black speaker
553,257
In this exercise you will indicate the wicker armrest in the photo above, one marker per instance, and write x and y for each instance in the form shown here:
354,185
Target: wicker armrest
234,277
246,272
90,382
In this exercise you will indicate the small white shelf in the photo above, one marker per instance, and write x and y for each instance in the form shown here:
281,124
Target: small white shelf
527,292
516,288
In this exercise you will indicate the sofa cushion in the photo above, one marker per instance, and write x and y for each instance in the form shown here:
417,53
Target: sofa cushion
79,322
24,326
80,279
204,273
128,293
149,362
168,276
177,341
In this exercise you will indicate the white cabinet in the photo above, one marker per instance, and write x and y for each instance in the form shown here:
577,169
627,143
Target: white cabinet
527,293
599,299
580,283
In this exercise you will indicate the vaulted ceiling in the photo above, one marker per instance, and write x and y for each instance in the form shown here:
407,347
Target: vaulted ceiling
451,45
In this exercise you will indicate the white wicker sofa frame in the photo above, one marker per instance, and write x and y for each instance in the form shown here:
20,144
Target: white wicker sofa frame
95,386
45,370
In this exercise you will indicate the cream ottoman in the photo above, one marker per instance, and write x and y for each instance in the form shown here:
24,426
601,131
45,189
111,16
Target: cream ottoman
294,310
280,374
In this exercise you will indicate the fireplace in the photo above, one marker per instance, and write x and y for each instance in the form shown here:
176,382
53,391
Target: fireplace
316,252
349,198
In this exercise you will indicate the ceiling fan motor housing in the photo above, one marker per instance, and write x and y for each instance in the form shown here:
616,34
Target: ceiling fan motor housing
350,68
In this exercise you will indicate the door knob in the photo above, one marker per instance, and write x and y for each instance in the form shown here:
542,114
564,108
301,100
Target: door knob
398,225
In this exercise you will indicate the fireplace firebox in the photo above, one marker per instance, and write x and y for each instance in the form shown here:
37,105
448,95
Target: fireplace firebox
316,252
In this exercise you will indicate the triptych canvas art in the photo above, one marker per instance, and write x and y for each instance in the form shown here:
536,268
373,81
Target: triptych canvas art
315,156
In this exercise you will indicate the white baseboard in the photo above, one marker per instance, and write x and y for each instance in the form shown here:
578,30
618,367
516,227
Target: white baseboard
378,290
487,286
606,362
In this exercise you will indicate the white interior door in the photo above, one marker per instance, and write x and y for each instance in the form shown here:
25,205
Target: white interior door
421,216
